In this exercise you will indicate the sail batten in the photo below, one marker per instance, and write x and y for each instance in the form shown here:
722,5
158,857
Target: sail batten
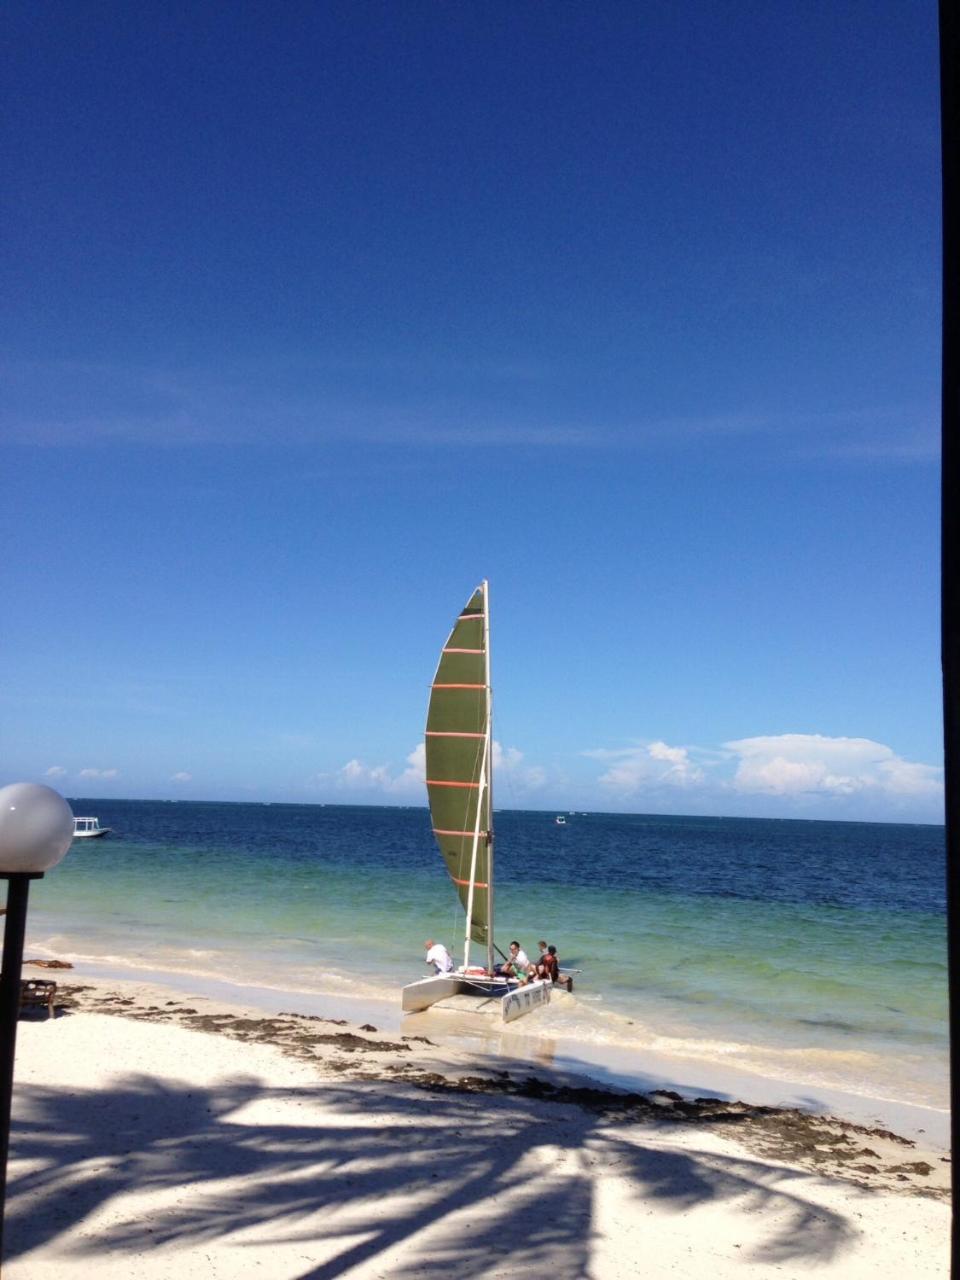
457,756
436,733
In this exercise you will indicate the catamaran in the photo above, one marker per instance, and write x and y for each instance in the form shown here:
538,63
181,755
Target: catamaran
459,761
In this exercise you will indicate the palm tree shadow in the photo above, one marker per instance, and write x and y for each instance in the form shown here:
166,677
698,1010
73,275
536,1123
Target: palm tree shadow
370,1171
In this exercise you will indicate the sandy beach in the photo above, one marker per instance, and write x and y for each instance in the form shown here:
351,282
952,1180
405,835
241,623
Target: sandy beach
160,1134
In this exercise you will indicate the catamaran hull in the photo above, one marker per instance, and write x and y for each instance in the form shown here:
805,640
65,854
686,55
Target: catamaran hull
514,1001
524,1000
418,996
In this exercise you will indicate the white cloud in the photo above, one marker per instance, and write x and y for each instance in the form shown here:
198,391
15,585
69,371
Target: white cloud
801,774
416,771
907,778
634,770
182,776
55,771
508,762
792,764
99,773
508,765
356,776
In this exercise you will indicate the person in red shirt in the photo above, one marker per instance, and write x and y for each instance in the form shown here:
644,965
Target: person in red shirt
549,968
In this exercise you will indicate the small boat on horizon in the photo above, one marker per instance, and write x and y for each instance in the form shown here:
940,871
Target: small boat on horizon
560,820
89,828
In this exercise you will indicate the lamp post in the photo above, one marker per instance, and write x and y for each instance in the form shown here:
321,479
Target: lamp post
36,827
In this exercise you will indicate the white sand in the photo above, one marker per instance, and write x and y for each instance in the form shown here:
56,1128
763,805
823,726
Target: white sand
146,1150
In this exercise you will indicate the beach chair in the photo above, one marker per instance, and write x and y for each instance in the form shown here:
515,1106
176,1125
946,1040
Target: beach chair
37,992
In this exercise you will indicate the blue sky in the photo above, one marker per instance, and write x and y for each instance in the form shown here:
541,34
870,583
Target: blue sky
312,316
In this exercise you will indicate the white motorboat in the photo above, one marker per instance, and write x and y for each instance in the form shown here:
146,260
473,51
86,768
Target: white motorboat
88,828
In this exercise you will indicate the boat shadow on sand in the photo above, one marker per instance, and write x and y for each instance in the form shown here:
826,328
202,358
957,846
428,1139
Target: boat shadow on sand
409,1179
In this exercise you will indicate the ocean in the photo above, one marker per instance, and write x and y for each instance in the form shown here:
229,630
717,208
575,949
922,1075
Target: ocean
804,950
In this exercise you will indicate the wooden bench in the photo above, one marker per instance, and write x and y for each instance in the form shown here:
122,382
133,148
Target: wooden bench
37,992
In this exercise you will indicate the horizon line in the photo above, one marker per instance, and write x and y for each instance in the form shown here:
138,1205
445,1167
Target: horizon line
586,813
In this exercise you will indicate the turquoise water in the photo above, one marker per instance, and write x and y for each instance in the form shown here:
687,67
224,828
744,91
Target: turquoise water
788,947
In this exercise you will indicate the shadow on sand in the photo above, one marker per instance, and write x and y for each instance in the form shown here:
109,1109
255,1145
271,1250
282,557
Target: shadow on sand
370,1169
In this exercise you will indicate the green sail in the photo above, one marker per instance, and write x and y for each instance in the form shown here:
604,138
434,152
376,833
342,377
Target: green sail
456,747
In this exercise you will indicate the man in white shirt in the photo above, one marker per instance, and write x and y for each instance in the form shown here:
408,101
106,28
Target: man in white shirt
437,954
518,964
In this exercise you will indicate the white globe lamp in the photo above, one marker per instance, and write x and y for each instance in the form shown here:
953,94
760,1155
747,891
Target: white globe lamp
36,827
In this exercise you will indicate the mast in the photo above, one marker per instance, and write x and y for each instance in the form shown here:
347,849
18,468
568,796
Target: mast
472,884
488,762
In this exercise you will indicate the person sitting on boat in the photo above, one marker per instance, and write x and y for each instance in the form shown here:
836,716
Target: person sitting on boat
517,964
438,955
551,968
547,967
